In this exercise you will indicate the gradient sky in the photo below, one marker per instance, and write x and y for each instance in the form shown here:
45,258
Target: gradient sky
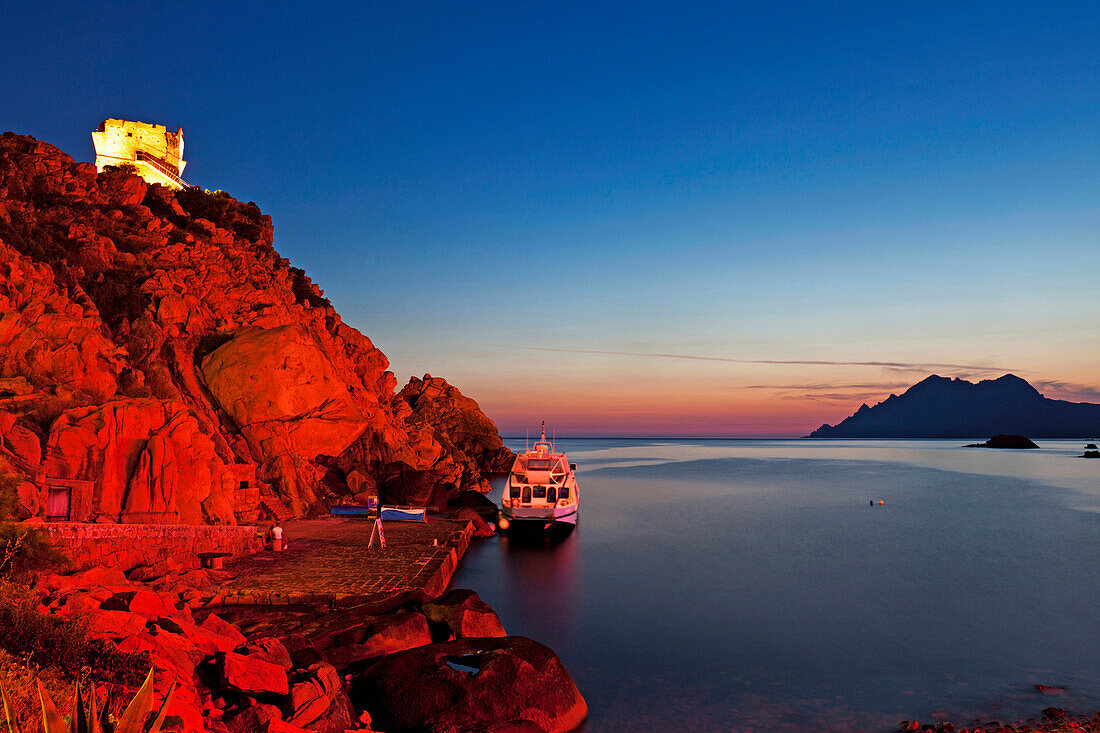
562,206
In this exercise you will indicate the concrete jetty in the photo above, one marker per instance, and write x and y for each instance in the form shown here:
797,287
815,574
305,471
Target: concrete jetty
328,562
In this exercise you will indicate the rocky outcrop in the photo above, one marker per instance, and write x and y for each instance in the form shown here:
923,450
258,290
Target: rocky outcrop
461,614
150,460
148,335
276,679
318,700
470,684
50,341
456,422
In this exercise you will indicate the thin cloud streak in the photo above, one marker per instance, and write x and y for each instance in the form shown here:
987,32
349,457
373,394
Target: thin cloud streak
905,366
1068,388
821,387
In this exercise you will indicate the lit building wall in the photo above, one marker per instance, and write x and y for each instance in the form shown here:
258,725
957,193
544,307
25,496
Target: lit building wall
156,153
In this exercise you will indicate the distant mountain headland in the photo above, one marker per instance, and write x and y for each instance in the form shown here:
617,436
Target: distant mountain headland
939,407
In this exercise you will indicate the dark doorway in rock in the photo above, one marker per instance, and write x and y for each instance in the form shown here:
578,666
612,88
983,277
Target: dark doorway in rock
58,504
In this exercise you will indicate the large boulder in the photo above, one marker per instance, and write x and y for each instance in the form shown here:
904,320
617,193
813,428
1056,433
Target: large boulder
470,684
373,637
319,702
251,675
282,390
461,614
105,624
267,649
141,602
217,625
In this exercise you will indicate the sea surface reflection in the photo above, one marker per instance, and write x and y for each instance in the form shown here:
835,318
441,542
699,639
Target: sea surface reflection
750,585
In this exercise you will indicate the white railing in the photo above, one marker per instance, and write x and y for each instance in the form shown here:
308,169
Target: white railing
161,167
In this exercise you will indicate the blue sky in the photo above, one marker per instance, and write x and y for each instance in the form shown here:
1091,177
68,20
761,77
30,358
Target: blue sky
469,182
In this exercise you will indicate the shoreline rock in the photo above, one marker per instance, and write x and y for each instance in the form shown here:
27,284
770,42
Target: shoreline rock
1051,720
1002,440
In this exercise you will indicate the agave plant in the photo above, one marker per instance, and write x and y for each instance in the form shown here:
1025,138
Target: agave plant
86,720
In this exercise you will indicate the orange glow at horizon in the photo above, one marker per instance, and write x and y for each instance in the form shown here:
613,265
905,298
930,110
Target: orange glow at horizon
698,400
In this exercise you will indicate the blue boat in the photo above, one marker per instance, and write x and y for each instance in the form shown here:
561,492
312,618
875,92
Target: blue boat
404,513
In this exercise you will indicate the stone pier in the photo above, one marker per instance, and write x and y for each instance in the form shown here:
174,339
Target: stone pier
328,562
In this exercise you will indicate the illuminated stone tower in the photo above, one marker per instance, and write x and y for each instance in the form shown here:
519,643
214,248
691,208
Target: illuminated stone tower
156,153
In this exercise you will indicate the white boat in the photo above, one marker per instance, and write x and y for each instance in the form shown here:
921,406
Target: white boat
541,488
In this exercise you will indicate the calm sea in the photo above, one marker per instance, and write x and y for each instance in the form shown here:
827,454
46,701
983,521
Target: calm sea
749,585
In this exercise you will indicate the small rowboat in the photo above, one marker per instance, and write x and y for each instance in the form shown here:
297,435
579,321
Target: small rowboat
403,513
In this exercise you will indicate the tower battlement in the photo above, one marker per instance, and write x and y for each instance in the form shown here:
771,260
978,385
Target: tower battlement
156,153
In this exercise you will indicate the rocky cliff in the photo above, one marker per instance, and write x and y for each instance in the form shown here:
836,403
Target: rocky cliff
161,361
938,407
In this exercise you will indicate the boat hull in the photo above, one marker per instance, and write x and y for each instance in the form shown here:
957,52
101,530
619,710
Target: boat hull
543,515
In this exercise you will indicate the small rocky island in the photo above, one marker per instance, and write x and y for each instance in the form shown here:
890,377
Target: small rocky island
1002,440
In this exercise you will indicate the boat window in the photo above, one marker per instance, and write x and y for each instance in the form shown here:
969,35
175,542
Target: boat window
540,492
519,478
515,492
565,492
551,495
526,494
538,464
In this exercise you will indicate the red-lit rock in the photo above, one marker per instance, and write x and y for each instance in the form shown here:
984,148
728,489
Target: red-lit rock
217,625
277,383
205,640
106,624
54,342
113,292
516,679
254,717
376,636
149,459
318,700
241,673
457,423
482,528
461,614
20,440
141,602
268,650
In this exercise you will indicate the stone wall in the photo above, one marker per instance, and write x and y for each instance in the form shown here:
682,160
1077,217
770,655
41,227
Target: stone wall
126,546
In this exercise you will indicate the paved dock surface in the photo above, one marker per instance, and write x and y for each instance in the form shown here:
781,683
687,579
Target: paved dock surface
327,561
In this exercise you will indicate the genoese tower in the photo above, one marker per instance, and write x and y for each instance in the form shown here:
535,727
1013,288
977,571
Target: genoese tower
155,153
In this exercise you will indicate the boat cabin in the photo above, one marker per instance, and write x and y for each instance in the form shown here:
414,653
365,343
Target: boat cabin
540,475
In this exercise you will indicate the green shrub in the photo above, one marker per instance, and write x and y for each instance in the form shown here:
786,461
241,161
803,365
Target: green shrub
24,549
9,496
59,642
